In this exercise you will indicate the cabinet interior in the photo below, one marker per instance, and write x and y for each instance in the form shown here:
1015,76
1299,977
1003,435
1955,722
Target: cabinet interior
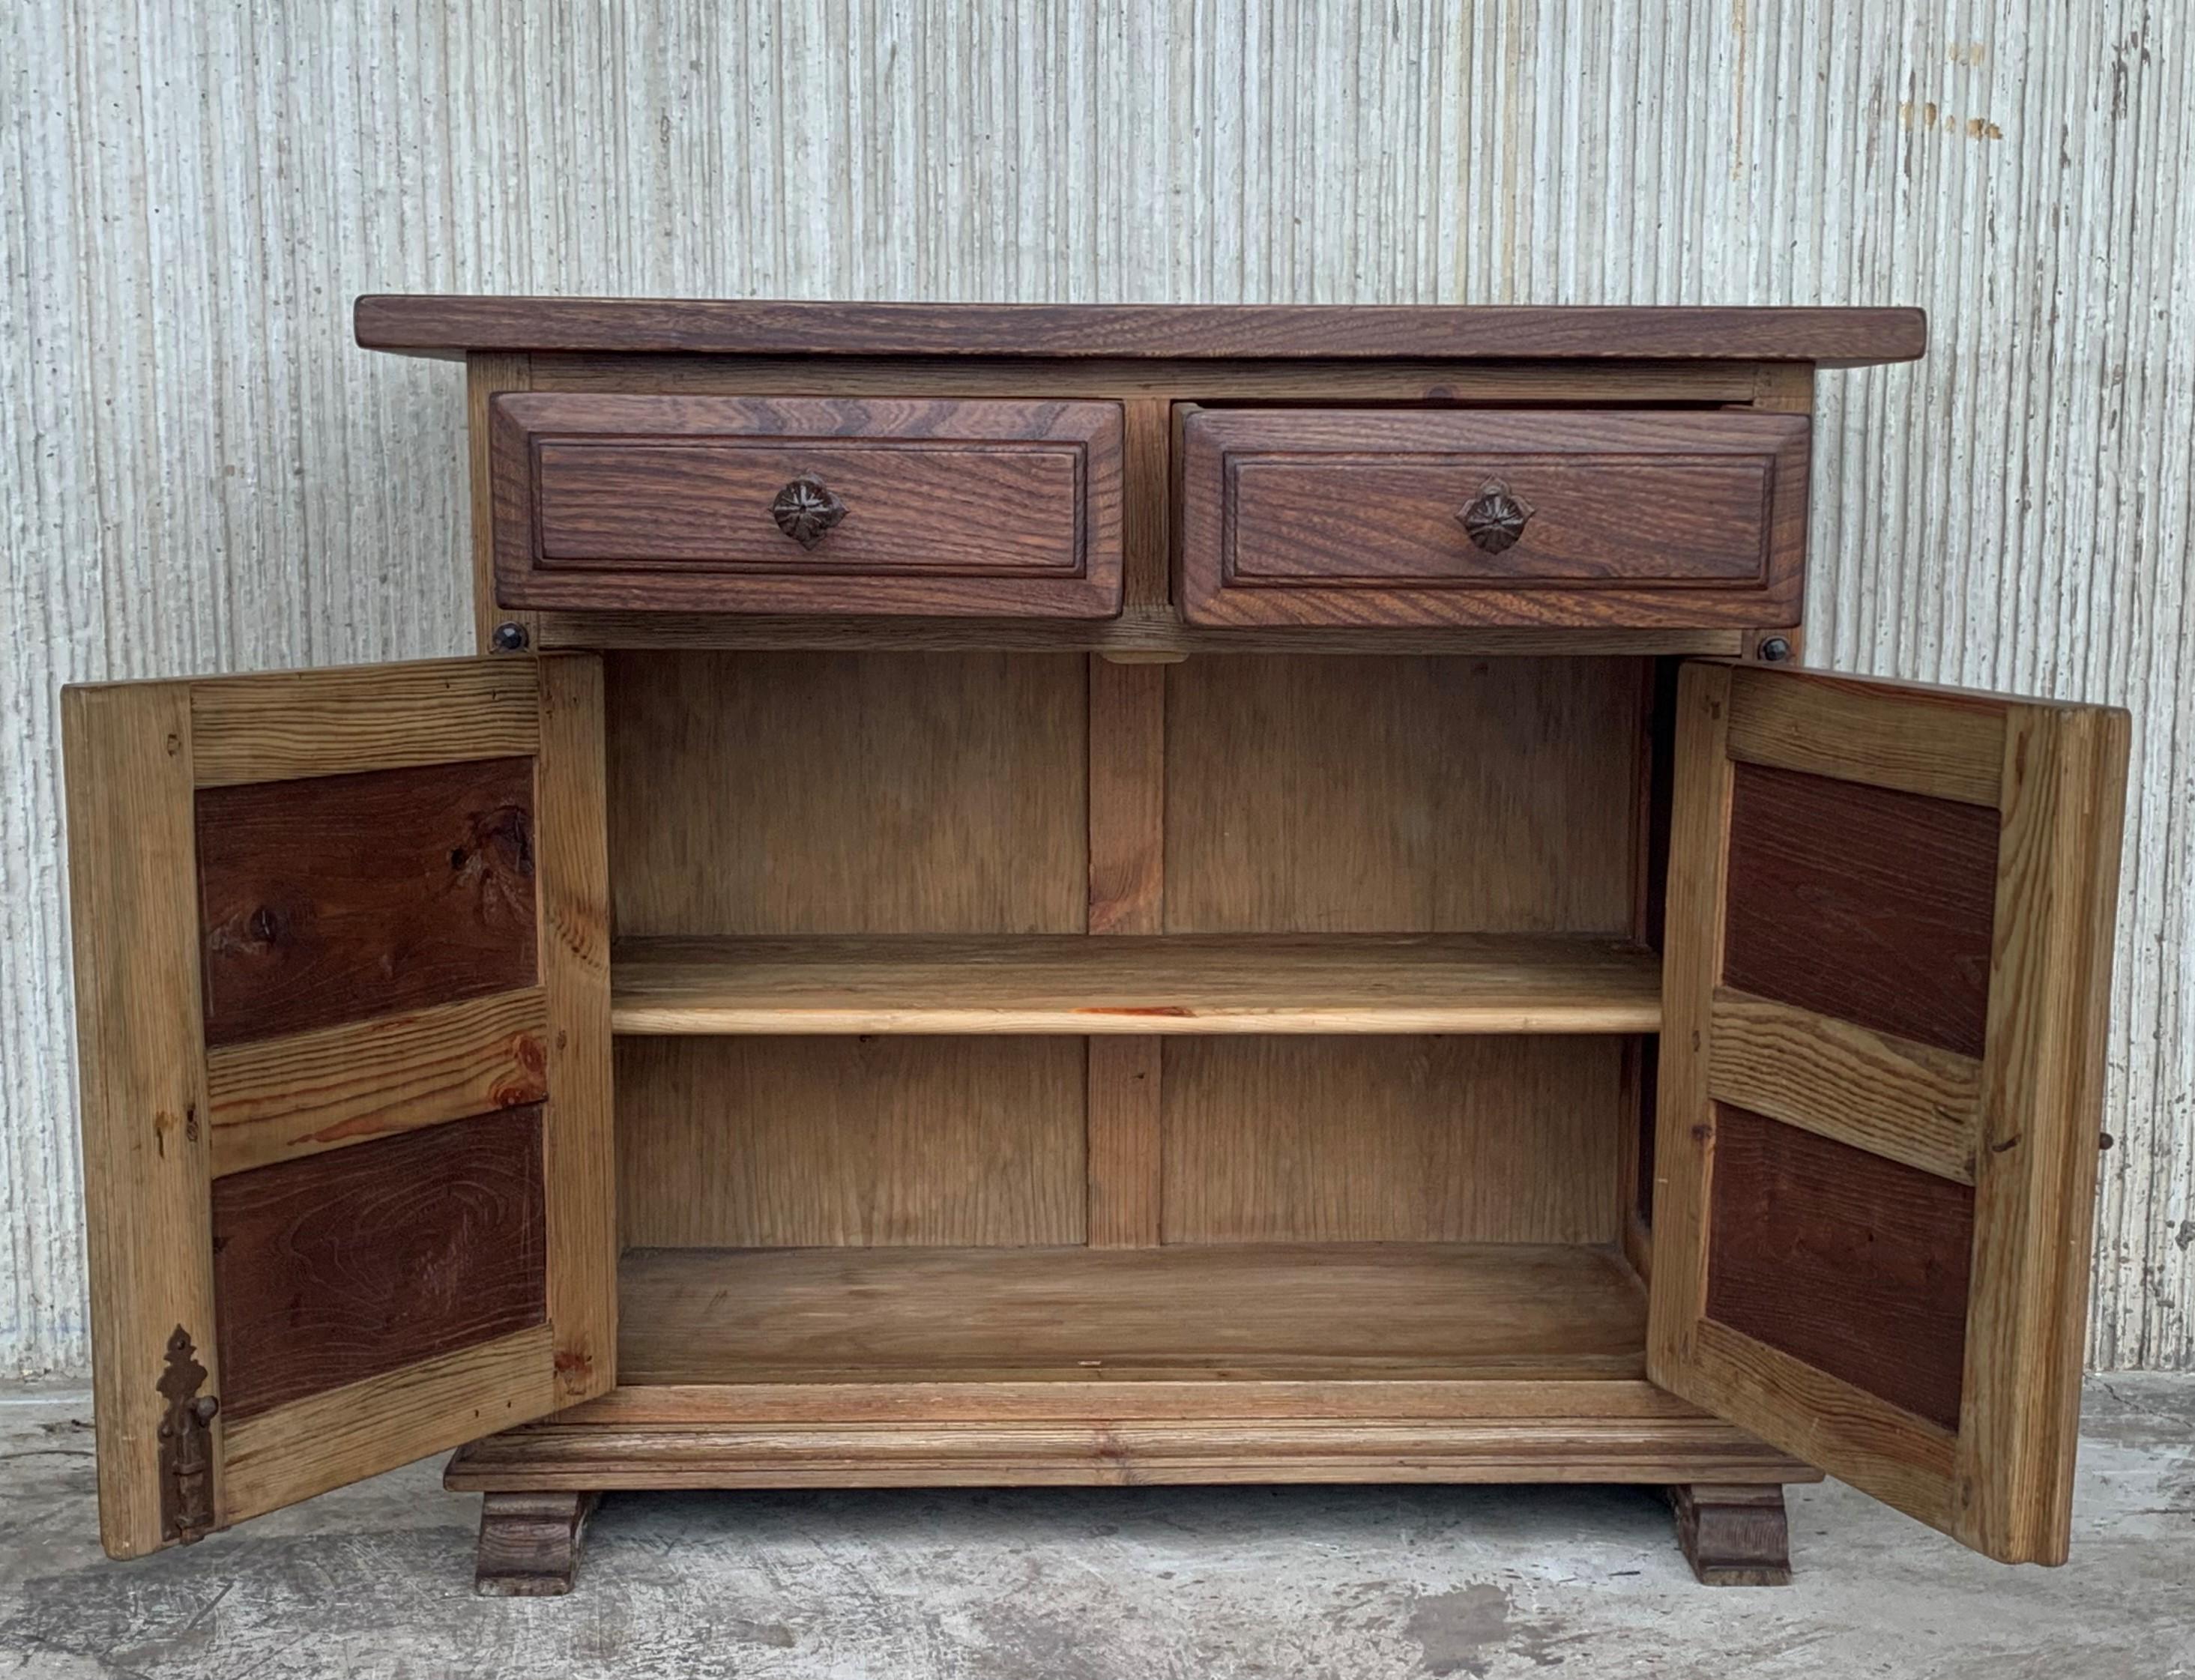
852,896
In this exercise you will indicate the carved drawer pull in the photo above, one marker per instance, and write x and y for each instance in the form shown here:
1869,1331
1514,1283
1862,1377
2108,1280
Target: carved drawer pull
805,511
1495,519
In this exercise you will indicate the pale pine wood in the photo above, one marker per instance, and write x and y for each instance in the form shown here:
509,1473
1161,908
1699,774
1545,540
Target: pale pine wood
1127,1104
1127,796
364,1428
133,915
2064,796
1454,1138
488,374
1891,1096
2002,1483
278,1099
1148,631
1783,387
1377,983
1498,1309
277,725
1941,742
760,1141
579,1149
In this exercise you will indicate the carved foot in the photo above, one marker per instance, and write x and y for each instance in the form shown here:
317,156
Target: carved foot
529,1543
1733,1535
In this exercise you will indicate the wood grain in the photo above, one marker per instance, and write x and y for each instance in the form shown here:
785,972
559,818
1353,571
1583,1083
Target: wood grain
1383,1140
1331,516
487,376
529,1543
769,1141
1400,794
848,793
1855,1263
1175,983
662,503
141,1079
1867,904
1127,797
446,325
1124,1129
1940,743
334,1268
278,1099
277,725
578,1136
338,898
1239,1311
1733,1535
378,1423
1907,1102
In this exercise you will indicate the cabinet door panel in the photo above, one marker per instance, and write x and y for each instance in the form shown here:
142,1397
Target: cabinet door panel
1887,972
343,1027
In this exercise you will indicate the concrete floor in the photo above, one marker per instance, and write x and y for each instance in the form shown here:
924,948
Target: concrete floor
1143,1584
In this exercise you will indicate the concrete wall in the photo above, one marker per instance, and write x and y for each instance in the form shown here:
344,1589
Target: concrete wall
199,472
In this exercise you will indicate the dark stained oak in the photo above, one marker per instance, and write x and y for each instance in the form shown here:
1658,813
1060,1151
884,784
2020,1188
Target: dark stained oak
1334,516
1733,1534
529,1543
923,507
338,1266
1864,903
1855,1263
448,325
331,898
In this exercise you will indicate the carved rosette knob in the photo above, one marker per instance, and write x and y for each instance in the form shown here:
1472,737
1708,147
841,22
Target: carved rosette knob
1495,518
805,511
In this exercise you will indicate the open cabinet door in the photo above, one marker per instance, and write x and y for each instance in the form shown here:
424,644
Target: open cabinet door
1887,963
343,1007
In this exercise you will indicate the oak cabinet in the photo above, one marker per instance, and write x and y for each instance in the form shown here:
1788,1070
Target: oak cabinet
1381,1005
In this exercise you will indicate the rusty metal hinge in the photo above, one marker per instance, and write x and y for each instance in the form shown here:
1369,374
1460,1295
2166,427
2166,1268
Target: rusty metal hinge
186,1444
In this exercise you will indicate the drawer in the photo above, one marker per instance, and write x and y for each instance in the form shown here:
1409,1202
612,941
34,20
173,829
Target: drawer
1337,516
807,505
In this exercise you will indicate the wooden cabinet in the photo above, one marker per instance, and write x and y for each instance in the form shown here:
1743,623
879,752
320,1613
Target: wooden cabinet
1367,1009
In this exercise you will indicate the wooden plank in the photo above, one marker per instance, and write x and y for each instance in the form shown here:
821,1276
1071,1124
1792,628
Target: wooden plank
1378,1140
133,915
487,374
1864,903
336,898
446,324
1400,794
1123,1156
579,1141
1892,1096
1509,1310
334,1268
278,1099
1175,983
348,1433
868,793
1941,743
1127,796
761,1141
2063,794
276,726
1691,962
1854,1263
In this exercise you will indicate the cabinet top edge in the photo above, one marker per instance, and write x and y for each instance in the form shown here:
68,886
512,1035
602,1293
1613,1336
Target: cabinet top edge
447,325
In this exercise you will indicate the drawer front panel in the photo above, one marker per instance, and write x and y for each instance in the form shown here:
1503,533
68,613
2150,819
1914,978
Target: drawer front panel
1325,517
729,504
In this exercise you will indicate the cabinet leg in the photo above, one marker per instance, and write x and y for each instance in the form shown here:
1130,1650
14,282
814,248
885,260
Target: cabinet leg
1733,1535
529,1543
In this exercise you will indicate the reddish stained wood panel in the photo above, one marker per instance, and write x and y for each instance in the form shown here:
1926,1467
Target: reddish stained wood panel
341,1266
1864,903
338,898
1855,1263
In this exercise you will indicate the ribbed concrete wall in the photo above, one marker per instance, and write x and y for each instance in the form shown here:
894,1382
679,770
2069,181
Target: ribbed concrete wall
201,474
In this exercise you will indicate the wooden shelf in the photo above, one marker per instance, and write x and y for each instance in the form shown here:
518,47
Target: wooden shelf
1192,984
1235,1312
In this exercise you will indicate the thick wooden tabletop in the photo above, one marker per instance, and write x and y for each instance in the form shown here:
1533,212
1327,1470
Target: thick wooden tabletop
445,325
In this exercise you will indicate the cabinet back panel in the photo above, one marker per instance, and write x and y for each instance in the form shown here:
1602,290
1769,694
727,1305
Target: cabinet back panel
1324,794
1377,1139
847,793
755,1142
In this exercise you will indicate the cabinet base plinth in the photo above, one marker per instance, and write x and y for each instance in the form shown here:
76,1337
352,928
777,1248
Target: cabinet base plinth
529,1543
1733,1535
